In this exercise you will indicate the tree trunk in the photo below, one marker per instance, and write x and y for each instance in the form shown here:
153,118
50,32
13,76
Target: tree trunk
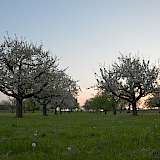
121,109
12,110
44,110
134,108
60,110
33,110
19,109
55,111
129,108
114,110
105,111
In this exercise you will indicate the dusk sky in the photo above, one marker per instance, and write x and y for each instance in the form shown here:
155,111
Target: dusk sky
86,33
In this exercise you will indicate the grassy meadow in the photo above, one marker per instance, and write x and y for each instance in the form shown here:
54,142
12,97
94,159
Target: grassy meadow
80,136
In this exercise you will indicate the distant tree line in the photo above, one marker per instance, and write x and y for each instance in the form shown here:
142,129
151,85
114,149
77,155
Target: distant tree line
104,103
33,79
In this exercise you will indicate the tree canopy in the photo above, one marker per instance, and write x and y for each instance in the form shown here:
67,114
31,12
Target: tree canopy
61,88
25,69
130,78
101,102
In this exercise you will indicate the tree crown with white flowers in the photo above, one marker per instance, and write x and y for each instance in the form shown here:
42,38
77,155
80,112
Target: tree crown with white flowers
24,69
130,78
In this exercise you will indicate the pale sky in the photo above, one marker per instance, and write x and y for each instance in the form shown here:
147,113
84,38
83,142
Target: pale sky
86,33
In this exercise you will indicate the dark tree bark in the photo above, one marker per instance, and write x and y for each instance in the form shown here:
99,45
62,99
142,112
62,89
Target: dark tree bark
114,112
60,110
44,110
19,108
129,108
105,112
114,109
33,110
12,110
55,111
121,109
134,108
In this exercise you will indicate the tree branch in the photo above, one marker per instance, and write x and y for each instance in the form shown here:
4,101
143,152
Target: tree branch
37,92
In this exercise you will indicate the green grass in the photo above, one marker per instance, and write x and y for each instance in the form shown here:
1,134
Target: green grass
80,136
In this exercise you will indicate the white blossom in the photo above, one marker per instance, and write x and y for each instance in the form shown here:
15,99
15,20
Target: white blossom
24,69
34,144
130,79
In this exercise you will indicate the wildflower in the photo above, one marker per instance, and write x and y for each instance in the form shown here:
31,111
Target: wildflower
35,134
69,148
34,144
72,149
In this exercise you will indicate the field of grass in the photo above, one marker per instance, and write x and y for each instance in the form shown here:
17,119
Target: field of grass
80,136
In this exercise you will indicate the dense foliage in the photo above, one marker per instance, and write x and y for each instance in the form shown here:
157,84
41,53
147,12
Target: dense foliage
101,102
